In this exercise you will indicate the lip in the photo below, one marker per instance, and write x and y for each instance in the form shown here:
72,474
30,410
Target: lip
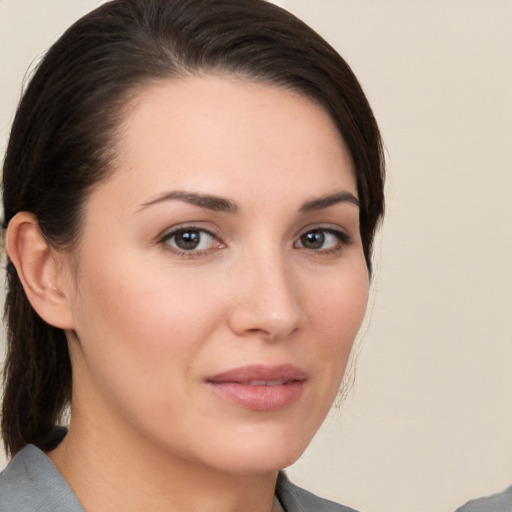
260,387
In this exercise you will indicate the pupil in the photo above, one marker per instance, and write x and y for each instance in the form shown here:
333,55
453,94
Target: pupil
313,240
188,239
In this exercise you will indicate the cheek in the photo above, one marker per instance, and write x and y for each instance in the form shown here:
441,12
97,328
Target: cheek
138,328
337,313
341,305
134,301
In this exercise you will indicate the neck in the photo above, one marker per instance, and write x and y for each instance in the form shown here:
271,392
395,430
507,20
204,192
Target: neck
111,469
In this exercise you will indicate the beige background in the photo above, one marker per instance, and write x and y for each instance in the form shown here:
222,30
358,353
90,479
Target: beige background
428,424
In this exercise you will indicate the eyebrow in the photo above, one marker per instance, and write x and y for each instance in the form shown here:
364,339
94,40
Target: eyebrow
214,203
221,204
320,203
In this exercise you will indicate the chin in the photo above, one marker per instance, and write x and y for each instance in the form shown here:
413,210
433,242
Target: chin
250,463
264,452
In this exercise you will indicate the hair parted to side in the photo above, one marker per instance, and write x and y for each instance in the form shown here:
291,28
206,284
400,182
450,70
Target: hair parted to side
63,138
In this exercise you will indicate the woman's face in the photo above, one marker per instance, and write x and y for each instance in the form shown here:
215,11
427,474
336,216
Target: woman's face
220,278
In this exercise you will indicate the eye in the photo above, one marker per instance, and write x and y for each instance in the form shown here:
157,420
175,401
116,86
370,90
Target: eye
191,240
326,240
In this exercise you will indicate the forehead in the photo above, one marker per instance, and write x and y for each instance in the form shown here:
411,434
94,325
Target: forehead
217,133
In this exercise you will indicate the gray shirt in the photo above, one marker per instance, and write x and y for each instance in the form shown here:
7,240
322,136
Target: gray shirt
501,502
32,483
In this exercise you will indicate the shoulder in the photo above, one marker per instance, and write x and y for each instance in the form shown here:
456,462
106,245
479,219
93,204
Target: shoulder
32,483
295,499
501,502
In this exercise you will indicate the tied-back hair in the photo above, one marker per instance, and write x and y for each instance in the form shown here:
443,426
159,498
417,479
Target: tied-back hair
63,143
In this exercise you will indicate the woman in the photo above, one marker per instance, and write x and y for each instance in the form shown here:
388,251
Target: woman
191,190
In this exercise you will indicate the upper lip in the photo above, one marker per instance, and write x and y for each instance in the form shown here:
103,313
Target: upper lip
261,374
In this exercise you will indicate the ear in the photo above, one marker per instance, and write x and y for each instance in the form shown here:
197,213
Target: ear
41,270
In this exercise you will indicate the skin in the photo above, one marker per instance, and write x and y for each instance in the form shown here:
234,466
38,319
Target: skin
148,323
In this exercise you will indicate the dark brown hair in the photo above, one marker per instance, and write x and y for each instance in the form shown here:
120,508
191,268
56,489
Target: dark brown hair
62,141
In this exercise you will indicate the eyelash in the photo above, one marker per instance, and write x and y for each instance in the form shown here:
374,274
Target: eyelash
165,240
343,240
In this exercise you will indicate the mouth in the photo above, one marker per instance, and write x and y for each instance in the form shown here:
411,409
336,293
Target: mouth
260,387
279,382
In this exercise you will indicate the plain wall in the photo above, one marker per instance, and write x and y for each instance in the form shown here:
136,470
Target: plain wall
428,424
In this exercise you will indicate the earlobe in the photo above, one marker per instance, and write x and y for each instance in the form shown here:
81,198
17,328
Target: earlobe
40,270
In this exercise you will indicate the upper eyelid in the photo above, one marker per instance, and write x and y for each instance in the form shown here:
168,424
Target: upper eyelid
170,231
344,237
215,232
332,228
164,240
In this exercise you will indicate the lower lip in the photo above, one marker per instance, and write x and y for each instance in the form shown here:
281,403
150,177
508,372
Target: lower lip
259,398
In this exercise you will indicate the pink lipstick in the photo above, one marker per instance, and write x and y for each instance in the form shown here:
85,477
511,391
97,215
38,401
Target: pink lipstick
260,387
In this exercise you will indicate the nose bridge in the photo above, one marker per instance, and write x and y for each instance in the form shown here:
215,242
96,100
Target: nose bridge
267,302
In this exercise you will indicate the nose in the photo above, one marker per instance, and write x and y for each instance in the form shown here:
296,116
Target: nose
267,300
